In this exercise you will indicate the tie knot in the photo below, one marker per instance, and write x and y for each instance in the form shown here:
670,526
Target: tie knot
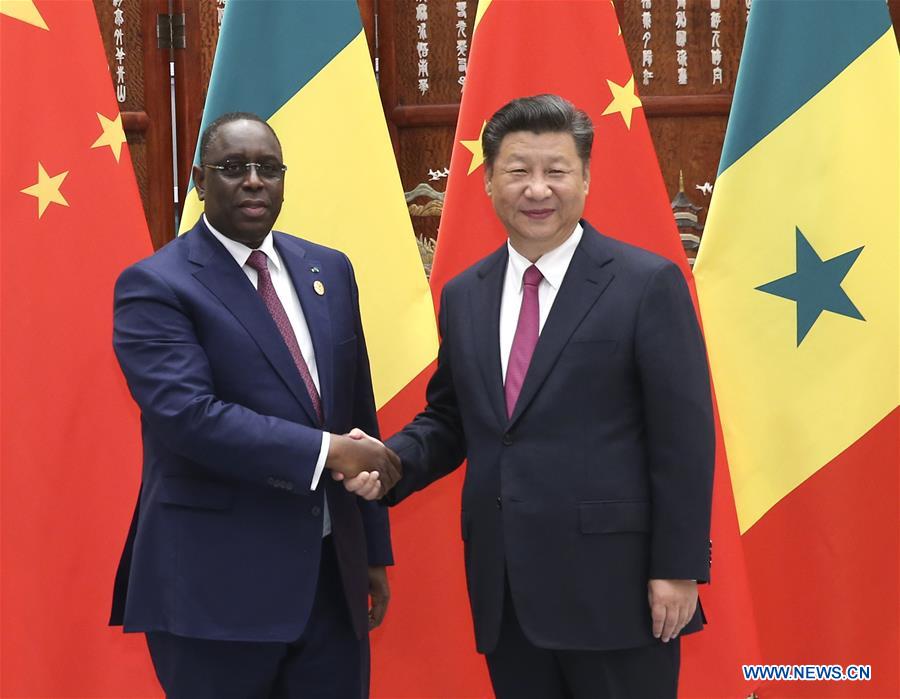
258,261
532,276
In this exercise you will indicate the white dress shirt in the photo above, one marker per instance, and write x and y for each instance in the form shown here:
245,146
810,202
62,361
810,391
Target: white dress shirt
287,294
553,265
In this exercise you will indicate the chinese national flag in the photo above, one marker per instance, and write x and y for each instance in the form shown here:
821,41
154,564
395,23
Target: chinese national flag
69,433
575,49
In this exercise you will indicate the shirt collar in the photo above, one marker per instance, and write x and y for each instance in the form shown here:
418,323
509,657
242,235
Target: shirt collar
553,265
241,252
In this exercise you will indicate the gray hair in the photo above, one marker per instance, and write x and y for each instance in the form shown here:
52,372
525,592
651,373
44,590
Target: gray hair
538,114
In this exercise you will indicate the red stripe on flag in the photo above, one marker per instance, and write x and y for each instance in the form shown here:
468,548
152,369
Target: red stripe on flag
427,647
825,570
711,661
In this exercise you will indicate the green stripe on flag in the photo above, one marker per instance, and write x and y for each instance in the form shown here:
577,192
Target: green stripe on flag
793,49
301,38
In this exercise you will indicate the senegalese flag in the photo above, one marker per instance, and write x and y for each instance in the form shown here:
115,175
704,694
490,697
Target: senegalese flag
798,282
572,48
70,449
305,68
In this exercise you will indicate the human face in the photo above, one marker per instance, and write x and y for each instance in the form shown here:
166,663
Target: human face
242,209
537,184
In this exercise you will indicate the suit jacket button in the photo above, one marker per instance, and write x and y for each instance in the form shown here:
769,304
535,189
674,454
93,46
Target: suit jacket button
288,485
316,511
499,503
507,439
270,481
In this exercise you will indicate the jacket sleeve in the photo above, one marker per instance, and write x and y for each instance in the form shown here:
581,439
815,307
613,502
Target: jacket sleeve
680,437
169,376
433,444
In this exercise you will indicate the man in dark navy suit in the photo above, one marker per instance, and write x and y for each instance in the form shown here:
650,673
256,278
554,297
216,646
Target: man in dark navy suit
572,375
248,571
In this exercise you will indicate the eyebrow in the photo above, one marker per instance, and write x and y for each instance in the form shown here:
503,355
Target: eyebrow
243,156
515,157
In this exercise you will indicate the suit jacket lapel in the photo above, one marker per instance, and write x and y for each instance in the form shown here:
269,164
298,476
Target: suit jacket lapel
220,274
585,280
318,319
484,310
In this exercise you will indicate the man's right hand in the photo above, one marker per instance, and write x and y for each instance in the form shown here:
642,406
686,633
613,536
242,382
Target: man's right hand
349,456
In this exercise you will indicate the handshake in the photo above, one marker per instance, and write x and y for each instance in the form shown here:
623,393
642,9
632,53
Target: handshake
367,467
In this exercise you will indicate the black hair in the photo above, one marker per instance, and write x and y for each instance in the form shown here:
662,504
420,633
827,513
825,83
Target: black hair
538,114
210,132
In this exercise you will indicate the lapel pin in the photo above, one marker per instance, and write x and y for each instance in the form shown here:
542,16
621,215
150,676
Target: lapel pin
314,270
319,287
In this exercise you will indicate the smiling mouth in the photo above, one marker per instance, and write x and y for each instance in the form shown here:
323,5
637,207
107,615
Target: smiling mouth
538,214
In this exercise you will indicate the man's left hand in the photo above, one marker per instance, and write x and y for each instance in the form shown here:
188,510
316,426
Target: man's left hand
380,592
672,604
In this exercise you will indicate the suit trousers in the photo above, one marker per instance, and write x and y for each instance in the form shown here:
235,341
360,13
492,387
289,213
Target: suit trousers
326,662
521,670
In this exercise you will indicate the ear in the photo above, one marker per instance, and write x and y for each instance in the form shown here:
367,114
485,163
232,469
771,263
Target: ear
199,174
487,181
587,177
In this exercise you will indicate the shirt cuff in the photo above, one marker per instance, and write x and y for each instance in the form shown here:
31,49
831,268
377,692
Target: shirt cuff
320,464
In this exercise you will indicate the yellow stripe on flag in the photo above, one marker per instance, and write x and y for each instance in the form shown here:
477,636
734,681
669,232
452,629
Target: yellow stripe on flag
831,170
343,190
193,207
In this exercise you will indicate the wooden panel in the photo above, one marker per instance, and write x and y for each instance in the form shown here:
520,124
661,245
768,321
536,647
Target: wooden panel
424,152
660,39
687,119
193,66
422,124
692,156
894,7
142,78
425,49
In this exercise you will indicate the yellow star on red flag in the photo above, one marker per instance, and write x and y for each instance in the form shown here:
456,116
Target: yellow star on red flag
46,189
474,147
113,134
624,100
24,11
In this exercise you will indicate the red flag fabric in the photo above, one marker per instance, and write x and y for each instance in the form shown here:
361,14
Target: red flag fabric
69,432
575,49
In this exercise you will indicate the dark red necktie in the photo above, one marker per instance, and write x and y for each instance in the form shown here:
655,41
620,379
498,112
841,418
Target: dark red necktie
266,289
525,339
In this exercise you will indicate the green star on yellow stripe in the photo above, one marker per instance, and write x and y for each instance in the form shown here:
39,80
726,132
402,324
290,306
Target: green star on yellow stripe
816,286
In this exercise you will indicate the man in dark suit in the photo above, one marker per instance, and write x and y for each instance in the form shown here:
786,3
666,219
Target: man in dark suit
244,350
572,375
